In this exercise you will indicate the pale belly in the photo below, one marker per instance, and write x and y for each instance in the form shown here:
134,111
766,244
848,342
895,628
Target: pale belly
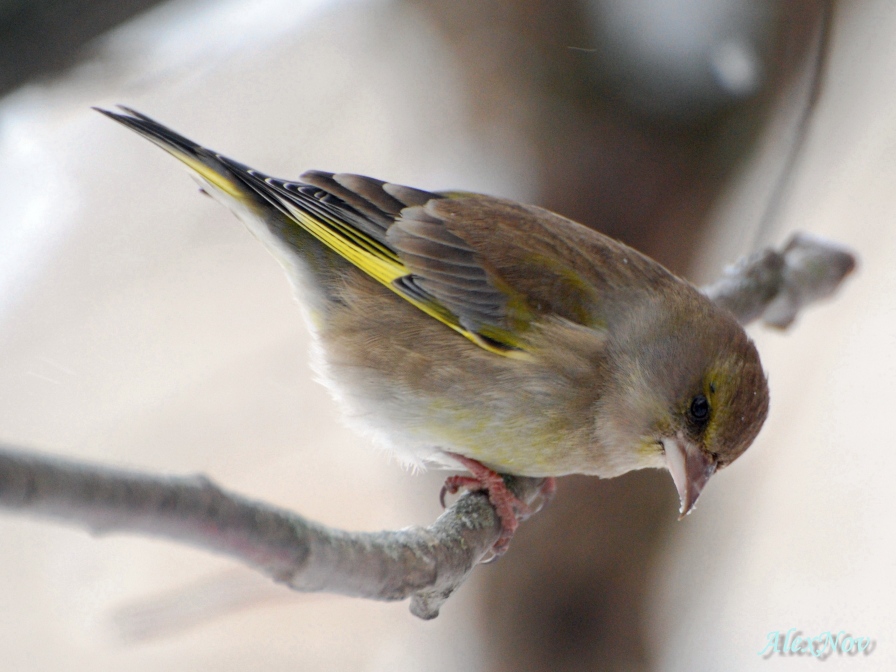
514,422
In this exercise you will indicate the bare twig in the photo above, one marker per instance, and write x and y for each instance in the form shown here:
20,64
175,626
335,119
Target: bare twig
776,286
425,564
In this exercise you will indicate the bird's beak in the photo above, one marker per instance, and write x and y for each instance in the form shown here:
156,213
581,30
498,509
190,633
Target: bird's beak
690,468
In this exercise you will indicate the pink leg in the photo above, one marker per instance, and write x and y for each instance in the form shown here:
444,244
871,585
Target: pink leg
509,507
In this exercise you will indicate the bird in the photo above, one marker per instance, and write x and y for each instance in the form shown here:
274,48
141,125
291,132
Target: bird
473,332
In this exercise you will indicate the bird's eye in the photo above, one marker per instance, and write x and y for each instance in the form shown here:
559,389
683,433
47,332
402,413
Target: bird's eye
699,409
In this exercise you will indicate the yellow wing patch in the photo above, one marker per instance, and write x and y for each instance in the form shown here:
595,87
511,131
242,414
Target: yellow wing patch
209,174
382,264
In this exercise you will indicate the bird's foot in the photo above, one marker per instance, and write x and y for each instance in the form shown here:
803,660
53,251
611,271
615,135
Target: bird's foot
509,508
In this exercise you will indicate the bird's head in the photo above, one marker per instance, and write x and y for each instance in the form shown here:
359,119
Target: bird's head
714,417
696,395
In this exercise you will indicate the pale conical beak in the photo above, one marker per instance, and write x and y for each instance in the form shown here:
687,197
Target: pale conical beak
690,468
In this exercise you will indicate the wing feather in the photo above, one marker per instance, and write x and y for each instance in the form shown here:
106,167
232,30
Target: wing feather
458,292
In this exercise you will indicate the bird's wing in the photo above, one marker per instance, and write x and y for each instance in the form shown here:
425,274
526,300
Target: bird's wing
537,263
385,230
483,266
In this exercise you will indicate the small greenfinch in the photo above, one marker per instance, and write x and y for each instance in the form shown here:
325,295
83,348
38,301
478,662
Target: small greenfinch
465,330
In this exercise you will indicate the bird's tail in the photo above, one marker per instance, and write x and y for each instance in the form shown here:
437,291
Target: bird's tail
214,169
245,192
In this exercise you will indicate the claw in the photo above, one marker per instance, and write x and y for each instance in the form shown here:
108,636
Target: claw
508,507
455,483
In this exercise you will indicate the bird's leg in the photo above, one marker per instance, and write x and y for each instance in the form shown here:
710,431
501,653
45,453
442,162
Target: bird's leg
509,508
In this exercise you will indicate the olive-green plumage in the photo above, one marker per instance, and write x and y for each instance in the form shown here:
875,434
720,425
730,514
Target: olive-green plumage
462,323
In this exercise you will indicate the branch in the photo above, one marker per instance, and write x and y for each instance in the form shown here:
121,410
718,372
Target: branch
425,564
776,286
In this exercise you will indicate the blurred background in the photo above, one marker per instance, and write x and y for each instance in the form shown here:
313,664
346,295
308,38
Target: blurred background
142,326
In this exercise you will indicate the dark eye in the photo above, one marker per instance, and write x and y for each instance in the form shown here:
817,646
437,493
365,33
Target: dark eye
699,409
